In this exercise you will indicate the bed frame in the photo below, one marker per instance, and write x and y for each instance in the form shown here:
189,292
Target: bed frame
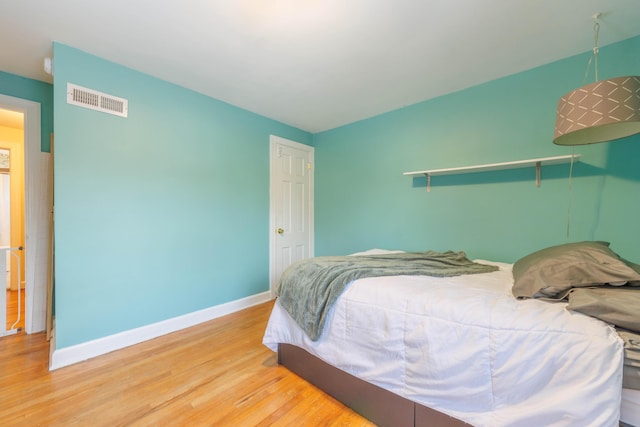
374,403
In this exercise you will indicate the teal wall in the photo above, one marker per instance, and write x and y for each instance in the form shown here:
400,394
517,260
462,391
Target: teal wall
32,90
166,212
159,214
363,201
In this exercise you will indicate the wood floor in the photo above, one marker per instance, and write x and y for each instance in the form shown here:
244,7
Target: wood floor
12,309
214,374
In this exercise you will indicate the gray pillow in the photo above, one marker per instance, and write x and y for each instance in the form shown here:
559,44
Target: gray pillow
554,271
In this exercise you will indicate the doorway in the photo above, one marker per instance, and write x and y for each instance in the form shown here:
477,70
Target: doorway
12,217
291,205
38,204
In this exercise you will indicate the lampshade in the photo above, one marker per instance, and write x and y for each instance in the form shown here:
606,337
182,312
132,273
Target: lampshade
598,112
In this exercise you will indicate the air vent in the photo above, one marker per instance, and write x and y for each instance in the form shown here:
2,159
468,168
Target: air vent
94,100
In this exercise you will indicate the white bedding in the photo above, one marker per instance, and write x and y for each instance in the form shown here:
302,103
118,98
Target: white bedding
465,346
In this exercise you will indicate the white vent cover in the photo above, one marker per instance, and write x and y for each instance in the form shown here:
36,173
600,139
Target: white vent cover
94,100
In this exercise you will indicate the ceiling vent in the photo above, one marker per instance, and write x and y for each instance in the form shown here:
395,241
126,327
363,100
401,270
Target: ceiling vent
94,100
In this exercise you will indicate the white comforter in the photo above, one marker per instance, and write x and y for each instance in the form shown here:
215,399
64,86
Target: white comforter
465,346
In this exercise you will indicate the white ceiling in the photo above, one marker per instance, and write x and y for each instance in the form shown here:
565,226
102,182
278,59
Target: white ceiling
314,64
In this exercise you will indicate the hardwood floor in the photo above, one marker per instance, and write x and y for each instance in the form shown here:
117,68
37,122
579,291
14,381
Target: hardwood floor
214,374
12,309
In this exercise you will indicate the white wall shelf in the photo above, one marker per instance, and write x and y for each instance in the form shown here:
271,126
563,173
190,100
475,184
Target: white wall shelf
537,163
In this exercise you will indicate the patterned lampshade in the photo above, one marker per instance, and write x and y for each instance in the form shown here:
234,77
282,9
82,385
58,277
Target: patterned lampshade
599,112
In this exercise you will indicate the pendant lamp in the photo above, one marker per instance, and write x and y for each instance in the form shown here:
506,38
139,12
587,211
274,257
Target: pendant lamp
601,111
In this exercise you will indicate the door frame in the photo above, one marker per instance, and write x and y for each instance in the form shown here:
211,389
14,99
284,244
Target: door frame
37,206
273,188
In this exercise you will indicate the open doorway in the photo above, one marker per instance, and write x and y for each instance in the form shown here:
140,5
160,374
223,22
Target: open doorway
38,202
12,217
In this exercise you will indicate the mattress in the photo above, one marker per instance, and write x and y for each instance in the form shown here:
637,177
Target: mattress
466,347
630,407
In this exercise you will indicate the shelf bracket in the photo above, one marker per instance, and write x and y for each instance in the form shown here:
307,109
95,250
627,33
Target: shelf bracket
538,167
428,182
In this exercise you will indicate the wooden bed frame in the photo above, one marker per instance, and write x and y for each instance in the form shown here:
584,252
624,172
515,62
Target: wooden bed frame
374,403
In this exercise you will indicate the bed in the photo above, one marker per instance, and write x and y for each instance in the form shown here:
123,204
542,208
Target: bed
464,350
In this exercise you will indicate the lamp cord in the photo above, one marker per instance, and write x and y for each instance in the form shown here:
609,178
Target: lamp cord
594,55
570,191
594,59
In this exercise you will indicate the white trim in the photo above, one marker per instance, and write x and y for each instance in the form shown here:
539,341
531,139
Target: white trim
37,210
77,353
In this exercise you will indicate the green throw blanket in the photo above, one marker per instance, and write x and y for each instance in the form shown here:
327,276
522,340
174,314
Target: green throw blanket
309,288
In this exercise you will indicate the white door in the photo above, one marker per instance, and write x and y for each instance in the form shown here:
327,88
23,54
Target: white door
291,218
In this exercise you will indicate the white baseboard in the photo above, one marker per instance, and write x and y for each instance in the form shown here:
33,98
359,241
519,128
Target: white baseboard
77,353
